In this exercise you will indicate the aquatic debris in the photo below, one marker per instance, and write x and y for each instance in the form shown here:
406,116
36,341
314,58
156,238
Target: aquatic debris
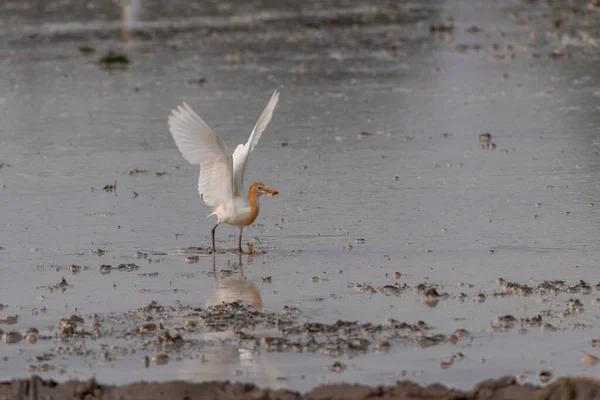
508,321
505,321
574,306
68,327
62,285
558,286
110,188
75,269
431,340
86,50
485,137
3,165
429,294
464,48
473,29
104,269
98,252
364,135
107,268
197,82
458,335
137,171
135,195
395,288
337,367
112,60
149,274
517,289
191,259
73,319
441,28
151,308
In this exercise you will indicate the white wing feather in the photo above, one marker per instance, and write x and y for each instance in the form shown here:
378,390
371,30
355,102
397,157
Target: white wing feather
241,153
199,144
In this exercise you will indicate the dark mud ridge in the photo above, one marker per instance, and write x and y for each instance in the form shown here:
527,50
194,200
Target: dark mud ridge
503,388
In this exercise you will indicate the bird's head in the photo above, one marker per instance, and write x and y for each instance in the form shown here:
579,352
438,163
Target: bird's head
259,188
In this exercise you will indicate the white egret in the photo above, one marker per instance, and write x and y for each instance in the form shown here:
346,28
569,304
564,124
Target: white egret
220,184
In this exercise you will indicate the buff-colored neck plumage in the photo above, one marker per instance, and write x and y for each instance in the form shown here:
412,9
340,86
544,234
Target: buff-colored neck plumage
253,195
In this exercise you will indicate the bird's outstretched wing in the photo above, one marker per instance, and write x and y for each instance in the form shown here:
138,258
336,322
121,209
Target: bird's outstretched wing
240,155
199,144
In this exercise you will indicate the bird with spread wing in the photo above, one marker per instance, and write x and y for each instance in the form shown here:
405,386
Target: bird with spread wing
221,173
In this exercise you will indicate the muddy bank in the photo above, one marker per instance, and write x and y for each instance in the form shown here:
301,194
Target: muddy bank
503,388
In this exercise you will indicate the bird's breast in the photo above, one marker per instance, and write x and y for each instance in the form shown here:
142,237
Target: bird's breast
242,216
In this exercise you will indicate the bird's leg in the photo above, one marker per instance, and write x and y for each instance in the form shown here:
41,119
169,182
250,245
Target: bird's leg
213,237
240,240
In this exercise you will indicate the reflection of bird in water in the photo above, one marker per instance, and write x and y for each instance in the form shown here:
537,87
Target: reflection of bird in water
222,359
228,290
221,173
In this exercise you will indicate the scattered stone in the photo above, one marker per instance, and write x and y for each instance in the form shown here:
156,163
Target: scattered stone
160,359
589,360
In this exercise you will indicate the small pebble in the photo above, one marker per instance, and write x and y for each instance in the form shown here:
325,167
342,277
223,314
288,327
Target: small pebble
160,359
12,337
32,338
589,360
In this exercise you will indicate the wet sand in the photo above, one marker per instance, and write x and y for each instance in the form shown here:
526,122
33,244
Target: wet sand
437,164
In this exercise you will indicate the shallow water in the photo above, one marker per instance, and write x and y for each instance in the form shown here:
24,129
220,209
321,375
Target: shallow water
419,196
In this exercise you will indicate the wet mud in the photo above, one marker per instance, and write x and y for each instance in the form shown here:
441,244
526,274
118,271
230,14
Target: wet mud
505,388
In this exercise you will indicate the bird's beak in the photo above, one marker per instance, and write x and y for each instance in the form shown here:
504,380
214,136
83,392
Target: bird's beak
271,192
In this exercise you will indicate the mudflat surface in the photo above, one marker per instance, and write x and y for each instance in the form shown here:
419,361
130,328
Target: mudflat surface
405,243
503,388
